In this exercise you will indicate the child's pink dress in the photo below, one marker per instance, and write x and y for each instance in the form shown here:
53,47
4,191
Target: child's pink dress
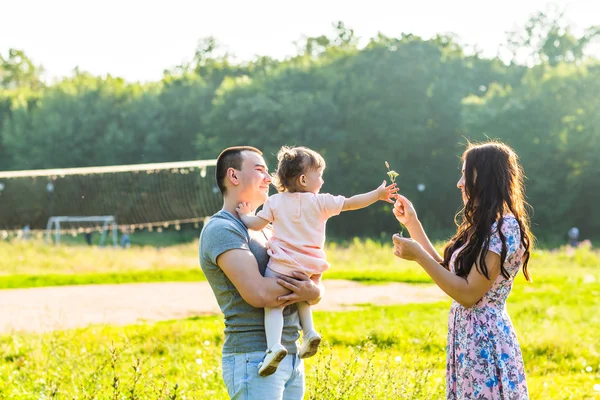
299,230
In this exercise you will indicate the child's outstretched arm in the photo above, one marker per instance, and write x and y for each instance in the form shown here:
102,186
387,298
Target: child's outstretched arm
383,192
251,221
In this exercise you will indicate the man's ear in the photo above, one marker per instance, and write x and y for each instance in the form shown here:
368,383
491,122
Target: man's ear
232,175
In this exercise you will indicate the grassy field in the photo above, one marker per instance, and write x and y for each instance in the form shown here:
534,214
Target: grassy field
374,353
32,264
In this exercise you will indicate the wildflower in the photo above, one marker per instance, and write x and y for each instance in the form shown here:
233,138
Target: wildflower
391,173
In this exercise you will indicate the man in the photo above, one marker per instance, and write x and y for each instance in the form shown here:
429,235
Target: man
234,260
574,236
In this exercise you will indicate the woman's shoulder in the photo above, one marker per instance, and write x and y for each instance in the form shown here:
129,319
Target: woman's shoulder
509,221
510,229
511,232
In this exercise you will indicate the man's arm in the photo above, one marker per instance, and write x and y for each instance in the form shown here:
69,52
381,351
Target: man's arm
241,268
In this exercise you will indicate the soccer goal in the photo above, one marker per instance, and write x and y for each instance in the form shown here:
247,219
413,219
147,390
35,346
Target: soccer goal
107,221
129,197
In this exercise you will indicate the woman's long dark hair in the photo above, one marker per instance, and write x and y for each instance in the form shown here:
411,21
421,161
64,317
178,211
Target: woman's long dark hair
494,187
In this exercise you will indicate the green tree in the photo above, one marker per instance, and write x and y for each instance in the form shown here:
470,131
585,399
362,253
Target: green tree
17,70
547,38
552,122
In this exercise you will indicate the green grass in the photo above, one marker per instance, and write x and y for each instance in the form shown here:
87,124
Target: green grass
159,275
140,238
372,353
377,352
34,264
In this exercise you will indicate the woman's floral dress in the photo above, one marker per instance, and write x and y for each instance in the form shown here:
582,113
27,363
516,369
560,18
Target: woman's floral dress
483,359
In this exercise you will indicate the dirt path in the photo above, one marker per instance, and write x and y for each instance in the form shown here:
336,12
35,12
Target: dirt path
46,309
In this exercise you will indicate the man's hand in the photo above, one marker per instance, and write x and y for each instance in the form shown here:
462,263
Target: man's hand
303,289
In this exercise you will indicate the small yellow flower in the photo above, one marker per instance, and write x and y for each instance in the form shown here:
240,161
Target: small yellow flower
391,173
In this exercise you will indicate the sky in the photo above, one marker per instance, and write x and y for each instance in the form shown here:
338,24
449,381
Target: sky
138,40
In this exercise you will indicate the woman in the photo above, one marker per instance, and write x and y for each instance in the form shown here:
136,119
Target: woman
477,270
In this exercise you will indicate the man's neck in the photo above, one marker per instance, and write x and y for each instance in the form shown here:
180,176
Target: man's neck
230,204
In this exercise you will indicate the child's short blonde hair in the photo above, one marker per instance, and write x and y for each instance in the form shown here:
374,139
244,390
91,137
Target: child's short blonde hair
293,162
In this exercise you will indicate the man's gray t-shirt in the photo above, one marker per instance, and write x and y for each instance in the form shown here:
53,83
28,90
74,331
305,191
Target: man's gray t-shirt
244,324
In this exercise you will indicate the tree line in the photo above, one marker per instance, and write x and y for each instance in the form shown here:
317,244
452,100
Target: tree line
406,100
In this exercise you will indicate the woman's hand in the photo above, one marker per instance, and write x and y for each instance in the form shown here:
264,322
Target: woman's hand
404,211
407,248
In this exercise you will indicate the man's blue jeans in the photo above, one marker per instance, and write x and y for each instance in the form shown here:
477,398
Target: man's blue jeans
240,373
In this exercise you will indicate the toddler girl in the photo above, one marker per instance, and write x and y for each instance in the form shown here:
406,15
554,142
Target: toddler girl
299,214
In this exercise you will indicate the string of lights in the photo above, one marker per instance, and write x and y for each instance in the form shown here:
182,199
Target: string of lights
143,196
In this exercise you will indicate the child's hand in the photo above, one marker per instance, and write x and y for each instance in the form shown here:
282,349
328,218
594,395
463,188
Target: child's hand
243,209
387,193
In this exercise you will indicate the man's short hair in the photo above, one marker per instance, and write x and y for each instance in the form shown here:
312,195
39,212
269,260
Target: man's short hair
231,157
